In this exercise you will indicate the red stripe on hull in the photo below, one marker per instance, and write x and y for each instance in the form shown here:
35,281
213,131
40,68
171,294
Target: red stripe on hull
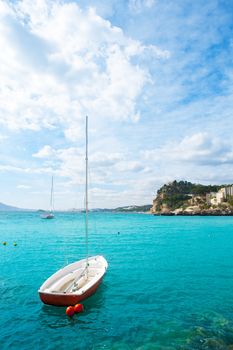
67,299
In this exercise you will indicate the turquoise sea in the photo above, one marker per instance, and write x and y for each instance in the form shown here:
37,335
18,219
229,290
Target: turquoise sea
169,284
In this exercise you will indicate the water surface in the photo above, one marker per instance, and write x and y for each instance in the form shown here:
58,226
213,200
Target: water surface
169,283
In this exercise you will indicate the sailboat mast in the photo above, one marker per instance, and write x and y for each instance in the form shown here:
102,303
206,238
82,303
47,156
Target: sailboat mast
51,196
86,192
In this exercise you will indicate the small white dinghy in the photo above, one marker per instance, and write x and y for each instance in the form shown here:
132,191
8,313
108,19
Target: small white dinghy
74,283
79,280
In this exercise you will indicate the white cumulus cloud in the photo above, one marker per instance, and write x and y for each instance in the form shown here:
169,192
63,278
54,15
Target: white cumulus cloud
23,187
60,62
200,148
44,152
139,5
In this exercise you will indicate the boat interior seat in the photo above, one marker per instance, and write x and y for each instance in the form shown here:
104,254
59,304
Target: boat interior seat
72,281
63,283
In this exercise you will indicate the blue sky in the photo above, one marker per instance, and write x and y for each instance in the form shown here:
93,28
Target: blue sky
155,78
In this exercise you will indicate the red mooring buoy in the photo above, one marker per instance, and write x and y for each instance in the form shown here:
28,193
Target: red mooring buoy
78,308
70,311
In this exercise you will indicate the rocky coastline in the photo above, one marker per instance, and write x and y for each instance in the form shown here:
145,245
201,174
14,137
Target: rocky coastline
196,213
183,198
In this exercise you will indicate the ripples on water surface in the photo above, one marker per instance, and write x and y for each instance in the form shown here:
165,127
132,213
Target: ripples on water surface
169,283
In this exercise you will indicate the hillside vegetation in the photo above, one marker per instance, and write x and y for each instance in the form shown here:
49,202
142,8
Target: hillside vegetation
184,195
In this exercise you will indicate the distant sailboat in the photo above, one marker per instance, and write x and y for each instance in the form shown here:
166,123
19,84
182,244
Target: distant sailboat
49,214
79,280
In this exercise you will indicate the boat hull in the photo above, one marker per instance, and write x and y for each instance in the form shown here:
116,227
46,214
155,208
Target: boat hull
47,217
61,299
74,283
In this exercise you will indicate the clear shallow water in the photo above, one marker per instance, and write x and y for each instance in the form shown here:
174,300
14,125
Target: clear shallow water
169,283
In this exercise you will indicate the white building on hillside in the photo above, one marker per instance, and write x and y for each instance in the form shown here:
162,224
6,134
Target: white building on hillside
222,195
228,191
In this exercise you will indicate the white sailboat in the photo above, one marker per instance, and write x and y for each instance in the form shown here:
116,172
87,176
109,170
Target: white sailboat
79,280
49,214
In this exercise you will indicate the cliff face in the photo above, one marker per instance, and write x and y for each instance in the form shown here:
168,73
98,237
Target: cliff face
185,198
